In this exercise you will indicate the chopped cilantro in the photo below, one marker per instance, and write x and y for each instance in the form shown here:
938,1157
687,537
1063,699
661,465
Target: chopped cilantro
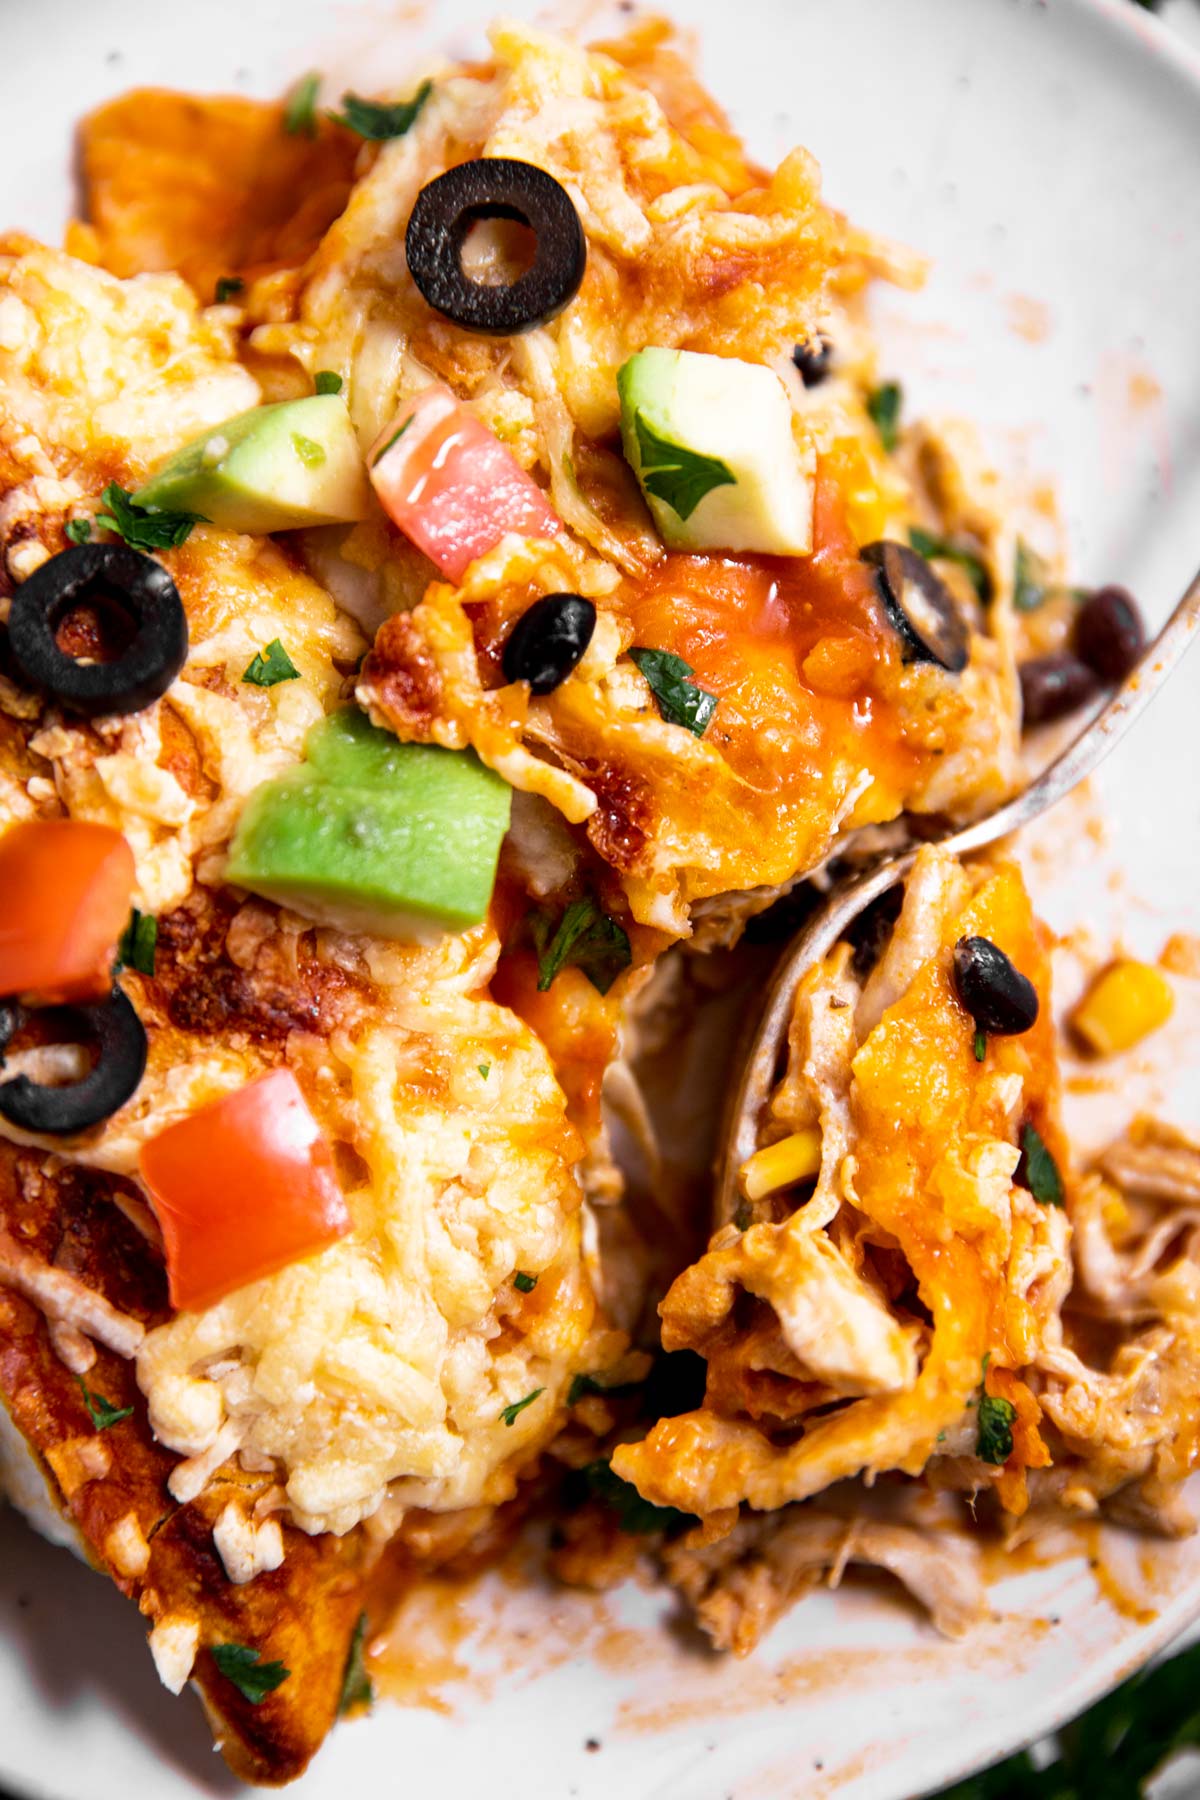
311,454
634,1514
680,701
357,1687
78,530
271,666
980,1043
993,1441
253,1679
585,936
227,287
883,405
138,942
102,1412
378,121
485,1069
1037,1169
1030,582
145,527
583,1385
511,1413
300,112
327,381
523,1283
927,545
394,439
675,474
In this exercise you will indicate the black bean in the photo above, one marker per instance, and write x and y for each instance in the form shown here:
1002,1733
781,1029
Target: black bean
1052,686
119,1038
495,187
920,606
548,640
140,588
998,997
1109,634
813,359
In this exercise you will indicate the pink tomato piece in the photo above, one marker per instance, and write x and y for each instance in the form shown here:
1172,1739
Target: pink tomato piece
451,486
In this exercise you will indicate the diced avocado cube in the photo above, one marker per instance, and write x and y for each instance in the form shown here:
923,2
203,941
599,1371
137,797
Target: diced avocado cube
398,840
270,469
710,439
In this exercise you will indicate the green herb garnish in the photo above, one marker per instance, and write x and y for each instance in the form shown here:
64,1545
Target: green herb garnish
377,121
675,474
327,381
253,1678
743,1216
586,937
271,666
583,1385
311,454
980,1043
634,1514
680,701
1030,583
357,1687
145,527
78,530
883,406
945,550
300,113
102,1412
523,1283
512,1413
1038,1170
138,943
485,1069
993,1441
227,287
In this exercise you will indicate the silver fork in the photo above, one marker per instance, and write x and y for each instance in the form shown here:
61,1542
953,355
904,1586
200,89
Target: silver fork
817,937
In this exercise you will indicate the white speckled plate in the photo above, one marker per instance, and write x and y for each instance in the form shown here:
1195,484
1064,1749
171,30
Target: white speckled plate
1044,153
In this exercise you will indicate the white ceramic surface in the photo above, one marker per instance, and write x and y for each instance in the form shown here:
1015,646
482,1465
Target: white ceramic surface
1044,153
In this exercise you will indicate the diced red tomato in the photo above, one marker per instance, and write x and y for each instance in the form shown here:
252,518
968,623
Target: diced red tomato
66,890
241,1188
451,486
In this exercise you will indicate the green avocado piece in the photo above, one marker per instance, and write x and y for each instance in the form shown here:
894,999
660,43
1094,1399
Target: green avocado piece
369,834
270,469
710,439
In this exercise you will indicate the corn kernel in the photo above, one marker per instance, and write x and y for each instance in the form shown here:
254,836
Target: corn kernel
1123,1006
793,1158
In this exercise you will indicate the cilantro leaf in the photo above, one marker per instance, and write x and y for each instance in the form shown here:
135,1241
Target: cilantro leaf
253,1679
1037,1169
510,1414
326,381
586,937
943,549
138,943
102,1412
883,406
145,527
377,121
485,1069
680,701
357,1687
78,530
980,1043
1030,581
675,474
582,1385
634,1514
227,287
270,666
523,1283
300,113
993,1442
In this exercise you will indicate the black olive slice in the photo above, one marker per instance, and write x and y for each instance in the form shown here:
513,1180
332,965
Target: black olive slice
495,187
548,640
813,359
919,605
119,1037
1001,1000
140,588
